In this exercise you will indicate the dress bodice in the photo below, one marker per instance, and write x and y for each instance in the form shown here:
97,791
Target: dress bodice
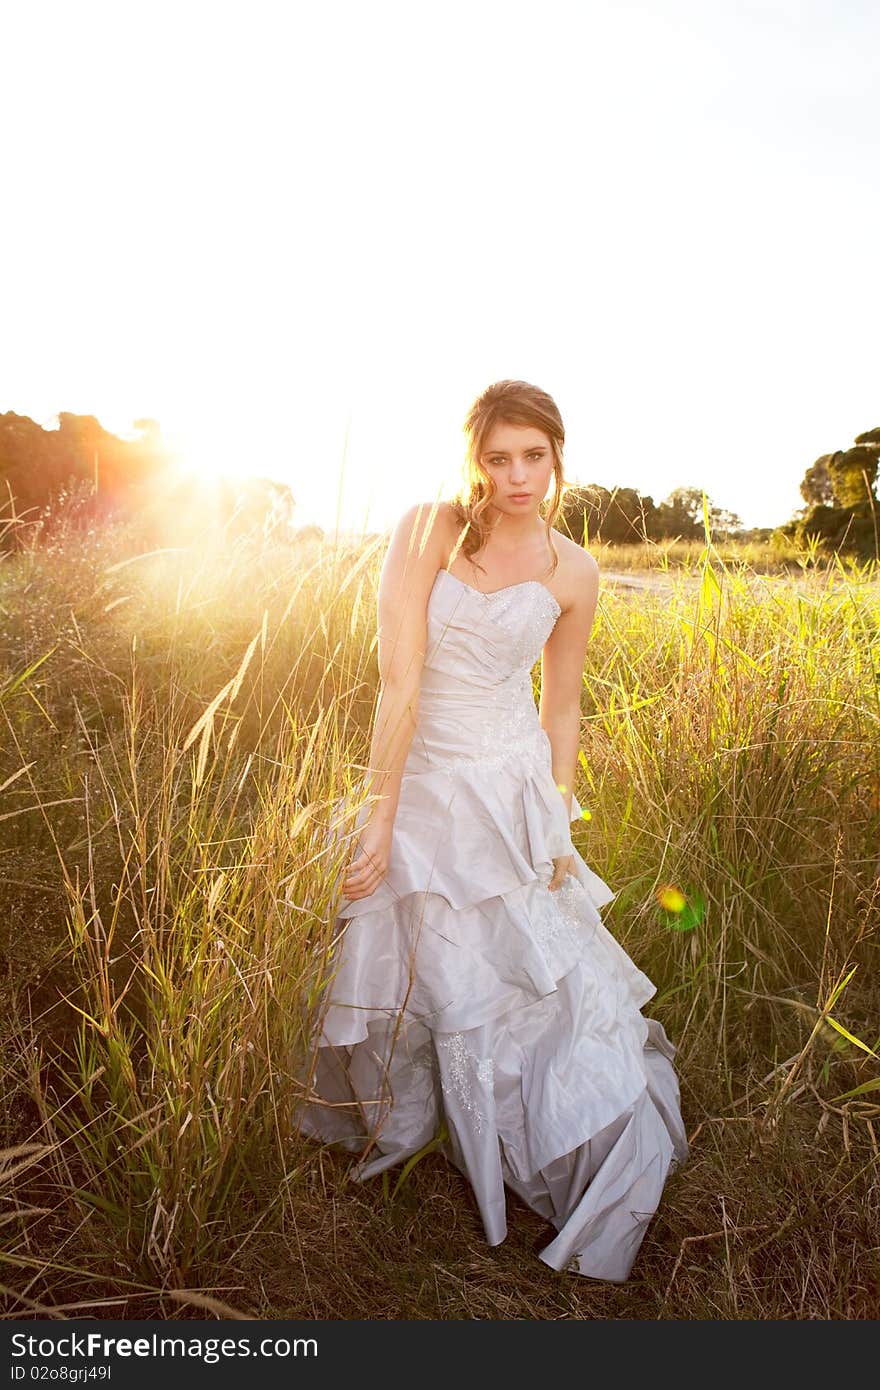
481,639
476,703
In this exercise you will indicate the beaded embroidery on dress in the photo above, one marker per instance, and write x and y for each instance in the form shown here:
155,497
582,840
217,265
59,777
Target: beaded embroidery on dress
465,994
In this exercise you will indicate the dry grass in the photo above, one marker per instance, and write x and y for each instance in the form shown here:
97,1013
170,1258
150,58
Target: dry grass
175,728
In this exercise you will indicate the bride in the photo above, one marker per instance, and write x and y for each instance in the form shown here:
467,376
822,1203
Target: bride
478,1002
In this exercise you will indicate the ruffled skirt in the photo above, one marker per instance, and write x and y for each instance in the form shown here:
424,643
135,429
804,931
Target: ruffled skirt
469,1000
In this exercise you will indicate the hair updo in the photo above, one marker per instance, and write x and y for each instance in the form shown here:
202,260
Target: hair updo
514,403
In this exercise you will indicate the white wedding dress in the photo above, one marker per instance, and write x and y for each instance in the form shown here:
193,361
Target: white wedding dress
466,994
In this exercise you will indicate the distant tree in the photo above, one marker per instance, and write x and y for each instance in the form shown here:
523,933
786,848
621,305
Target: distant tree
106,474
844,520
815,487
618,515
687,500
854,471
681,514
677,515
35,464
580,511
725,523
850,474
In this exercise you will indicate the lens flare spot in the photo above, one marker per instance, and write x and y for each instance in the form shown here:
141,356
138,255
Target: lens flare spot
671,898
586,815
681,911
561,787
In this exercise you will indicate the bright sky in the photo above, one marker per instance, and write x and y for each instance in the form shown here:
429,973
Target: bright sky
272,224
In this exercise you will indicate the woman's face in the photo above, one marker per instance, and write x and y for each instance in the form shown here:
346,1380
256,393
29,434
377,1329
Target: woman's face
519,459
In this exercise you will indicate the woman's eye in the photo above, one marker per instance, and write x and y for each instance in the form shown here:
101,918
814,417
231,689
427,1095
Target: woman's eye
537,456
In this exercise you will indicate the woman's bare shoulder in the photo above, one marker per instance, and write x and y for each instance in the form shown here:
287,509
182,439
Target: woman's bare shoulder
425,533
428,516
574,556
437,524
577,569
425,519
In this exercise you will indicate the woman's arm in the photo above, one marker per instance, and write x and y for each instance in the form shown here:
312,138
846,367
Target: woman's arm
408,573
414,556
562,667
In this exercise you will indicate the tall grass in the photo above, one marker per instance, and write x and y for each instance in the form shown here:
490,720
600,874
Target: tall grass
177,727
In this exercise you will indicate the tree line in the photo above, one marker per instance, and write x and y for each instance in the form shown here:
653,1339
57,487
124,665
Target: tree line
43,469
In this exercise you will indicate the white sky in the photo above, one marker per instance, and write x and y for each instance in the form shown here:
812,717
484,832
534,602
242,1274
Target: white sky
259,221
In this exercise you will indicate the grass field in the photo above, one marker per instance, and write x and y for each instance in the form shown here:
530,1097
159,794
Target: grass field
173,729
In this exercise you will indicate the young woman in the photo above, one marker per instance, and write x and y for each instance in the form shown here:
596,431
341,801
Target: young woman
478,1000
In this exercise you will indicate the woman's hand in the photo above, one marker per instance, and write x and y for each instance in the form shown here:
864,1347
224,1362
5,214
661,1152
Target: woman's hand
370,863
561,867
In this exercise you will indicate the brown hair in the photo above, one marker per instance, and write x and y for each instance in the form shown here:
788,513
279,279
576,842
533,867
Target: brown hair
516,403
